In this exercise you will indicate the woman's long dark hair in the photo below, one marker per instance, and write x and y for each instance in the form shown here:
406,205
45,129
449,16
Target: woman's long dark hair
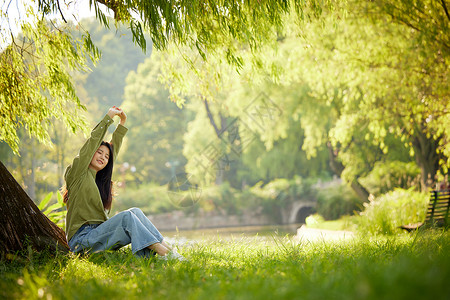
102,179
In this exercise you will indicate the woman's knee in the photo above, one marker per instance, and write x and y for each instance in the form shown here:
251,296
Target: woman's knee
126,216
136,211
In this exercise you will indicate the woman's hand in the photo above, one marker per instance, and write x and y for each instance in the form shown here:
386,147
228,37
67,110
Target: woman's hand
114,111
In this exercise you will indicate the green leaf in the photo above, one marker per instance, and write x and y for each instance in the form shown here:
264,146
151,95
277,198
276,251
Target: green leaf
45,201
60,198
51,208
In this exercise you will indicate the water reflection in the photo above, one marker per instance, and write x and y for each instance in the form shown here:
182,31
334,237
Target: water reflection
234,232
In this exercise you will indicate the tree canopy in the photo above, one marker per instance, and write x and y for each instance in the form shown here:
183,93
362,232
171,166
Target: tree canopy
35,81
35,76
371,87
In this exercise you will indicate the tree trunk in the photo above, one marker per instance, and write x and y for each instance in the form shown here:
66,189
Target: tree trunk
427,158
338,168
219,131
21,220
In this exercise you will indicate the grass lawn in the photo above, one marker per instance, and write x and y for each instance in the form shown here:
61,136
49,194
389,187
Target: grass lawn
413,266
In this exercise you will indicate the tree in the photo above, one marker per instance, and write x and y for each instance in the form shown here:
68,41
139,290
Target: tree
392,79
22,221
395,100
35,83
417,55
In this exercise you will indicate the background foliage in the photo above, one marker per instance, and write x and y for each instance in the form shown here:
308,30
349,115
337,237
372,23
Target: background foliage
272,96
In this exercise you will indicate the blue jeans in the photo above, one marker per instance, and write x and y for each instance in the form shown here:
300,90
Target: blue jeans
129,226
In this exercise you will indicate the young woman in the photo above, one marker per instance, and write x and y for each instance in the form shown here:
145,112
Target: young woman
88,196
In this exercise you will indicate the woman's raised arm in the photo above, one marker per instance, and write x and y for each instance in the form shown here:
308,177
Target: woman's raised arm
83,159
119,133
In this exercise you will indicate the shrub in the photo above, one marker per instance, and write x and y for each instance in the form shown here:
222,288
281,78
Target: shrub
56,212
221,198
313,221
384,214
337,201
387,176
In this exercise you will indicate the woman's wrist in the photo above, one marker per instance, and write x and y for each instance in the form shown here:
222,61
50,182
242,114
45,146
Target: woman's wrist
123,118
110,114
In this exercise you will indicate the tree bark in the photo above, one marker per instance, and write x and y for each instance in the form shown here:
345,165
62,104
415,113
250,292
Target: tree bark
219,132
427,158
22,222
338,168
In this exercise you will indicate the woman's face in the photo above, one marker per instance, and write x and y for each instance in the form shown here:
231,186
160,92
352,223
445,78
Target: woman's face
100,158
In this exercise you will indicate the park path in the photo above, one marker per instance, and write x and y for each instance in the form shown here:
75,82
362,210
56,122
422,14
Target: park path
313,235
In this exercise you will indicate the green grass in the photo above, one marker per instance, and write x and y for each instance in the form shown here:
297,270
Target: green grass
402,267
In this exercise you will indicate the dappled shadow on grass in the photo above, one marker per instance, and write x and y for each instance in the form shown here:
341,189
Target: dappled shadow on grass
400,267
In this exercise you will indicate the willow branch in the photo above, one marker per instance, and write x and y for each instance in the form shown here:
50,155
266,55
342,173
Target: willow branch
59,8
445,9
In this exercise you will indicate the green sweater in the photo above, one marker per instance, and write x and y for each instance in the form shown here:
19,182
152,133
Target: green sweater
85,204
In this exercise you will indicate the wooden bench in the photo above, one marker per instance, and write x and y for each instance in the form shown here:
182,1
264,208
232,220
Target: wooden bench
437,211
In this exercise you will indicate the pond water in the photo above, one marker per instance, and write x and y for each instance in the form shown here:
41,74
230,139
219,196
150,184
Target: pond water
234,232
